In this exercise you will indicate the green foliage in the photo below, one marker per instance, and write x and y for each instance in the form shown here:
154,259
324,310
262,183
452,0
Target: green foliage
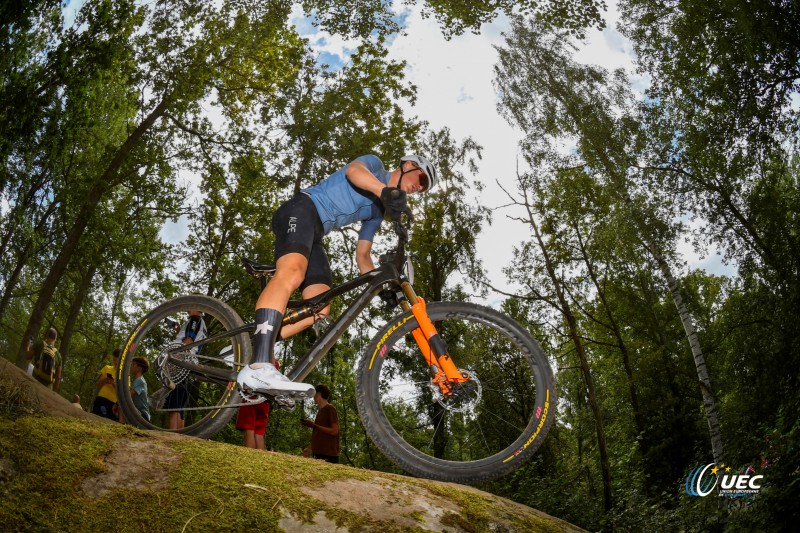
213,113
446,229
715,139
574,16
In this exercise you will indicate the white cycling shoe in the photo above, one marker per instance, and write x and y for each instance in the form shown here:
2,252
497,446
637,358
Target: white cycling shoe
264,378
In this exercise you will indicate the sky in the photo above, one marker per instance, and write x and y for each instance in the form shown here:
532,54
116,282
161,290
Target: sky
454,81
454,89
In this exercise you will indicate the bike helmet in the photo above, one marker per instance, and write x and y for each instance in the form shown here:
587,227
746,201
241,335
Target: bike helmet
424,165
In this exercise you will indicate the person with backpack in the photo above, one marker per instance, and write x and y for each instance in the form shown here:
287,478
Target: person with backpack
46,360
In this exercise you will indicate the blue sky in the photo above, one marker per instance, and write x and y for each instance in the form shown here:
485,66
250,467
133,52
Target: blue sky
454,80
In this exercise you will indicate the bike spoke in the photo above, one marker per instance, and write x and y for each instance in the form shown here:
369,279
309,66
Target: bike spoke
478,419
190,365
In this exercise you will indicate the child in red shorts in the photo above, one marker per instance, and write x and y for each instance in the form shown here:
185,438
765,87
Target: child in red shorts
252,419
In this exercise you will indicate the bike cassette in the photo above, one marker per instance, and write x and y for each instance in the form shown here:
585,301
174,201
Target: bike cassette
168,373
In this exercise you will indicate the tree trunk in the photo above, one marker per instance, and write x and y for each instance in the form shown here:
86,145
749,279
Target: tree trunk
594,405
11,282
709,402
615,330
74,311
22,258
19,210
104,183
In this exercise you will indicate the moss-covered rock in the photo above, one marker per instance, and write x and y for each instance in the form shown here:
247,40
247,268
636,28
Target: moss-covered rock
85,474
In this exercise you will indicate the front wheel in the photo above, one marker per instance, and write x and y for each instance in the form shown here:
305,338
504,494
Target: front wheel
203,376
490,426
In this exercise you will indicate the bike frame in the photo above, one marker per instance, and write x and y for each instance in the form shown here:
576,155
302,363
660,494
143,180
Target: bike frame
433,348
374,281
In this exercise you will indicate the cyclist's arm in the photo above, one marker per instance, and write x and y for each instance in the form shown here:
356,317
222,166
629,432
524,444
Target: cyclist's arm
364,256
359,175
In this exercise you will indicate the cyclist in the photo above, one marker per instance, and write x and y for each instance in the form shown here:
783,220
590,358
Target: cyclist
362,190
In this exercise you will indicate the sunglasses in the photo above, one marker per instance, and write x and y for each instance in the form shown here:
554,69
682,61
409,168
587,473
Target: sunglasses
423,180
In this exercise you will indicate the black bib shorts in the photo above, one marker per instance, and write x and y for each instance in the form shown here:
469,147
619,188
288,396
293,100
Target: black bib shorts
298,229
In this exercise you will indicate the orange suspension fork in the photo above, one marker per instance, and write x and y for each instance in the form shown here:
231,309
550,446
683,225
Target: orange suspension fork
432,346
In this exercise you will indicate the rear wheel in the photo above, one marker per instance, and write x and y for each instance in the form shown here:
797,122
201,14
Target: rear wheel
491,424
204,377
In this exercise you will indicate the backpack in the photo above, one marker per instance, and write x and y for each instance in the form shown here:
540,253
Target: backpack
44,366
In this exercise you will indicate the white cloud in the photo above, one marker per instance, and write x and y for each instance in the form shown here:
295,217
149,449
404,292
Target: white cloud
454,80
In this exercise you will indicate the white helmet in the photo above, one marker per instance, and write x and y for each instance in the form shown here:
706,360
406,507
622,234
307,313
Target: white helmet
424,165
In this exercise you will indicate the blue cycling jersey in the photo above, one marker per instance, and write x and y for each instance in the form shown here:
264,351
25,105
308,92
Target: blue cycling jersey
339,203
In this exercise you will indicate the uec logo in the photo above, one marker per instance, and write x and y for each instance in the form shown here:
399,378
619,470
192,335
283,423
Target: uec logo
702,480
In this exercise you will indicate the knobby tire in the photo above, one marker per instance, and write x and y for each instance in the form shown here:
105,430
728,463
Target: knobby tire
155,334
491,427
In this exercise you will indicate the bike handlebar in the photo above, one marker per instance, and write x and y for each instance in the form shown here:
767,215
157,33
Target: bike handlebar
402,234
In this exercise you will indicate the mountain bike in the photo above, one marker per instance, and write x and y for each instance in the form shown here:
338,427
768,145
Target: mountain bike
452,391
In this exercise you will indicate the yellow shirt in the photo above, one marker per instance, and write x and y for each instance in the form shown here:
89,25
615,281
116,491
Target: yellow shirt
108,391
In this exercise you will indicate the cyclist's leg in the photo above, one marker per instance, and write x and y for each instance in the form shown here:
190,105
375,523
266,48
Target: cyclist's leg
295,225
262,376
318,279
289,273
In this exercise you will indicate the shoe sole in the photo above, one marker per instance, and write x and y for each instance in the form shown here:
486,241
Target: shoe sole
293,395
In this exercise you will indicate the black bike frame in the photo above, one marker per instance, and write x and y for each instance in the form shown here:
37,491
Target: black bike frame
375,279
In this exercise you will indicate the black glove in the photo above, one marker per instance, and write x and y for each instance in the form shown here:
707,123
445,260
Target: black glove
394,202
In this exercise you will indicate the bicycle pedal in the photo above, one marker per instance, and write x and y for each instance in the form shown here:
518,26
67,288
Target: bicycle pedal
157,398
284,403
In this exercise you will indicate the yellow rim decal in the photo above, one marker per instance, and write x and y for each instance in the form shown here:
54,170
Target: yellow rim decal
128,347
542,420
383,339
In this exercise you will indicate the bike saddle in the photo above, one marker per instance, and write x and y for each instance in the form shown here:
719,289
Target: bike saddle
264,270
258,270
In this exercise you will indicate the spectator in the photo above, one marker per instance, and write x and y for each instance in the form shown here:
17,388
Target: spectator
253,420
139,367
325,428
106,400
176,400
46,360
193,330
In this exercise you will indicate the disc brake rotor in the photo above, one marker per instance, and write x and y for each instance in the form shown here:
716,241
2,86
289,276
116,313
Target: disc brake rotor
464,397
